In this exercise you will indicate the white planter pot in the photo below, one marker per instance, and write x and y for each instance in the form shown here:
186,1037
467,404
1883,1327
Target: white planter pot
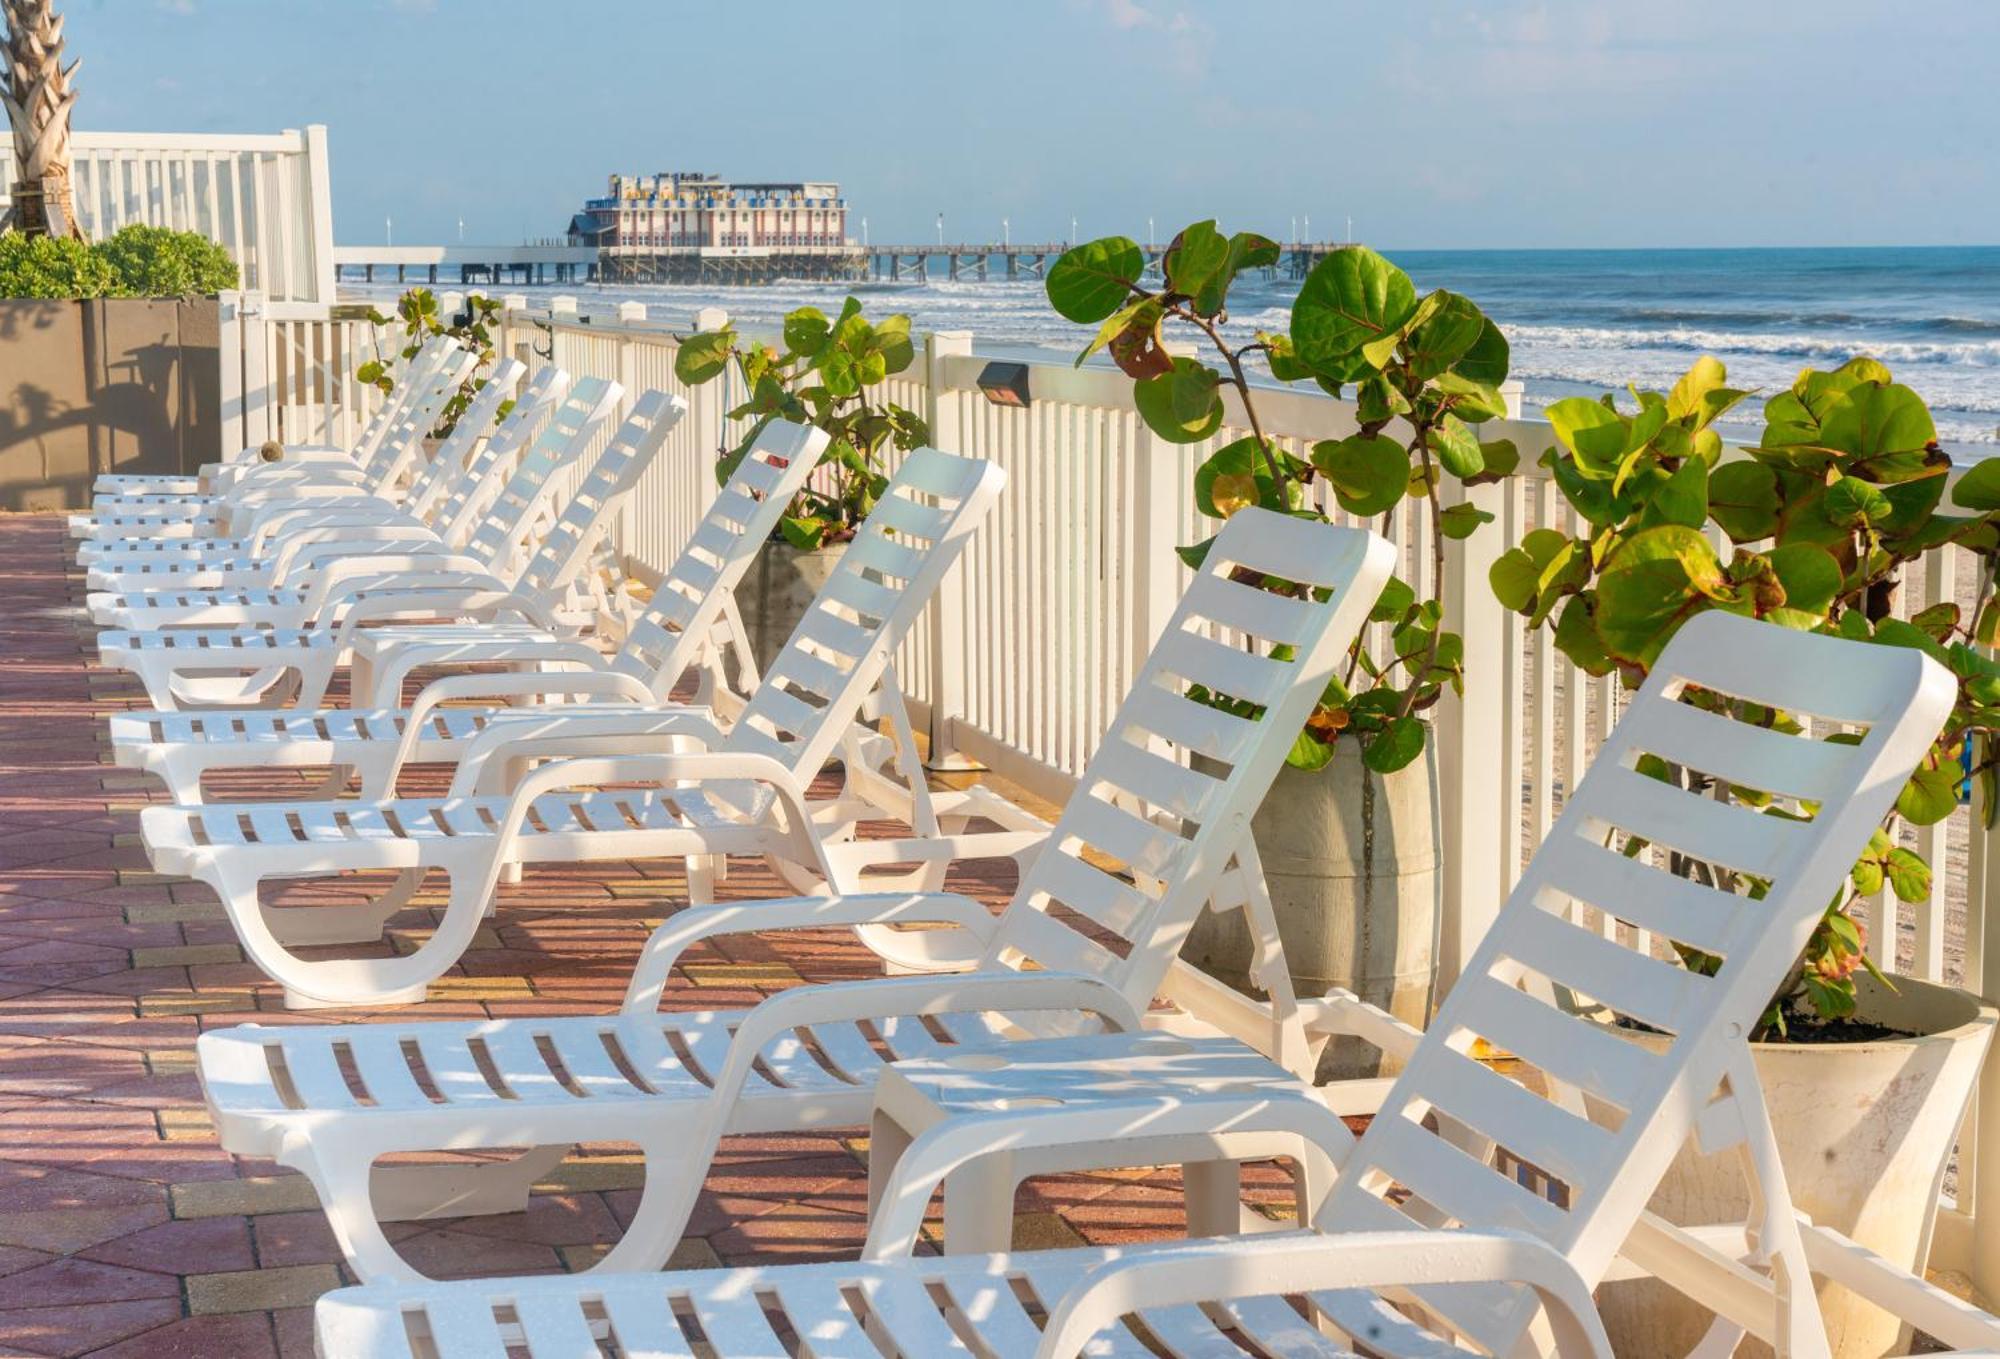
1351,858
777,591
1864,1131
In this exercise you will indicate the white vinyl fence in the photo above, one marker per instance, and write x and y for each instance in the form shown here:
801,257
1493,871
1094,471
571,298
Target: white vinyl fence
1036,636
265,198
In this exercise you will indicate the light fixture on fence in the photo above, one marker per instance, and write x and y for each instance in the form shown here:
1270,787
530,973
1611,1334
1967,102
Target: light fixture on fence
1005,384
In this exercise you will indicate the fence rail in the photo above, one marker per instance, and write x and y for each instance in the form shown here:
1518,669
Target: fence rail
266,199
1036,635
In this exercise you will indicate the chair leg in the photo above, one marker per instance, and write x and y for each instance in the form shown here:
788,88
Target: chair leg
414,1193
359,924
1214,1193
341,1176
979,1205
667,1195
326,983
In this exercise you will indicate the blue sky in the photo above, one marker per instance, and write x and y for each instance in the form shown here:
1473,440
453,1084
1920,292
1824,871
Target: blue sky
1440,124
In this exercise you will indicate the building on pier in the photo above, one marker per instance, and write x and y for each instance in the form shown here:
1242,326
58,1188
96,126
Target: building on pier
687,227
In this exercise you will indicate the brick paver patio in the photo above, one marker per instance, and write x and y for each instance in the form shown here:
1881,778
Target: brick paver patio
125,1230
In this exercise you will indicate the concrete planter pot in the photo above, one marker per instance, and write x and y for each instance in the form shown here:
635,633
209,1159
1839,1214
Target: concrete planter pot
778,590
1864,1131
1351,859
108,385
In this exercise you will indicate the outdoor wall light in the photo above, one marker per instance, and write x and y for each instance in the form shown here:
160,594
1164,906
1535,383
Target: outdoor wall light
1005,384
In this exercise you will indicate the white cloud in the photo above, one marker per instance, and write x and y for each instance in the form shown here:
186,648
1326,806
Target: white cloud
1128,14
181,7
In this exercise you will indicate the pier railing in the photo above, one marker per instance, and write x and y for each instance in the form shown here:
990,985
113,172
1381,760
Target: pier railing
265,198
1036,636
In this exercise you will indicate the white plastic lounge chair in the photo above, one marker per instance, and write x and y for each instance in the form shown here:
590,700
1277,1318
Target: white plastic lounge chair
552,592
646,1076
543,420
405,371
321,544
745,794
465,474
1452,1133
1447,1147
308,472
677,632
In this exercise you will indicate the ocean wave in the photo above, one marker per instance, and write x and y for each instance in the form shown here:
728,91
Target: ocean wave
1684,339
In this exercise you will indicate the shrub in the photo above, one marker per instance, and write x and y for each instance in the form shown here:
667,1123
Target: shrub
52,267
155,262
138,261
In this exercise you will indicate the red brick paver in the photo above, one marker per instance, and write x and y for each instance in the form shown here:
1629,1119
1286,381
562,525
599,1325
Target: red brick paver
125,1230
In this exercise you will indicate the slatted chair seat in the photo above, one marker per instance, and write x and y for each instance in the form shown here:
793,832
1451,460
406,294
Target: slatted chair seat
440,510
1087,931
997,1307
563,1069
689,622
128,564
407,374
376,465
477,527
195,666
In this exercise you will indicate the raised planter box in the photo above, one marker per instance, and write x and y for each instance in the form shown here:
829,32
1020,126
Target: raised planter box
111,385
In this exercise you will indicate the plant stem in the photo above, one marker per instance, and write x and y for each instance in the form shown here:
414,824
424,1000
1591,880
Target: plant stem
1417,673
1238,380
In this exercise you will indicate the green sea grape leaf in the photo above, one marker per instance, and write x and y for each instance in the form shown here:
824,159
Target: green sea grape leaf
1681,499
1182,405
1462,520
1368,473
805,330
1457,448
1654,582
1931,795
1592,432
701,357
1445,336
1350,298
1851,502
1485,362
1395,746
1810,575
1979,488
1090,281
1236,476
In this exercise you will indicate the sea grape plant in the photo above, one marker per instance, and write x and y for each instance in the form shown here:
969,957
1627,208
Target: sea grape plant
1822,516
421,318
1425,373
829,374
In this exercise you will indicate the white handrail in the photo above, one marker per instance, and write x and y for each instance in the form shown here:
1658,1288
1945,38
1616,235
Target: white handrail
265,198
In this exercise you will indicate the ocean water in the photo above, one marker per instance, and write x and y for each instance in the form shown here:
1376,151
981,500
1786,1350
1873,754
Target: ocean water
1580,321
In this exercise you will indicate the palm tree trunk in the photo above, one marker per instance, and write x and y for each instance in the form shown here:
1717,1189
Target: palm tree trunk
35,90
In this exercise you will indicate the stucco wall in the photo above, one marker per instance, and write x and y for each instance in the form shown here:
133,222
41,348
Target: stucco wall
122,385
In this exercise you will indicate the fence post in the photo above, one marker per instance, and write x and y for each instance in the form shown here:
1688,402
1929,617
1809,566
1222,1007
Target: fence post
1982,976
1154,507
944,412
1470,731
259,416
707,402
319,212
229,363
628,378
